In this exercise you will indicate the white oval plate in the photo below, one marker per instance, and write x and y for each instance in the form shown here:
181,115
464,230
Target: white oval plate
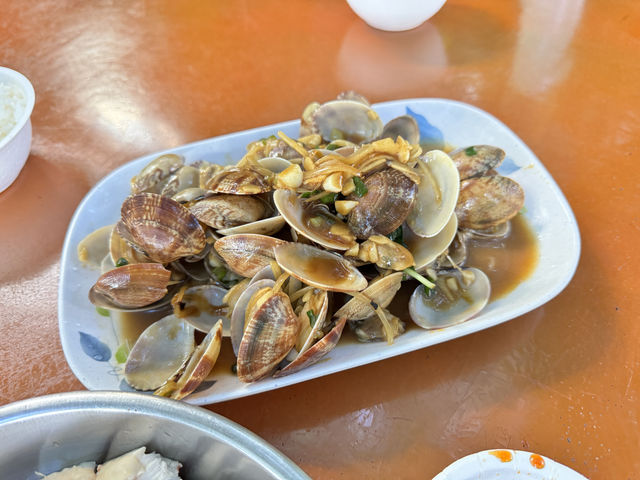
487,466
89,341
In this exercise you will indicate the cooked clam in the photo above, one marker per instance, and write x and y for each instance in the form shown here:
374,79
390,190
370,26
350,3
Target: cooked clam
380,291
130,286
238,317
437,194
426,249
239,181
346,119
163,228
389,199
371,330
458,296
224,211
404,126
159,353
319,268
486,202
249,253
266,226
313,221
271,332
200,364
93,248
153,177
477,160
203,306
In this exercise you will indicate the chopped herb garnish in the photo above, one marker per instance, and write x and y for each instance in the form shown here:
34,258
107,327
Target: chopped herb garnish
312,317
102,311
523,210
396,235
122,262
234,368
361,189
122,353
310,194
470,151
220,272
423,280
332,146
329,198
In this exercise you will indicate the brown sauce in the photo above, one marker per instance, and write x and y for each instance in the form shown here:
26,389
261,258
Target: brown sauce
507,262
129,325
329,270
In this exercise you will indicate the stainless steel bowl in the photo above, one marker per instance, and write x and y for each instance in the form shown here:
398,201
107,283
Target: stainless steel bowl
46,434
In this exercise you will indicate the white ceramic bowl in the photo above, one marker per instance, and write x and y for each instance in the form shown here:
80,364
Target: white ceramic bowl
395,15
15,146
46,434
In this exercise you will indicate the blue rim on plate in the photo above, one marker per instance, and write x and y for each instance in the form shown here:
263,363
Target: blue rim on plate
89,341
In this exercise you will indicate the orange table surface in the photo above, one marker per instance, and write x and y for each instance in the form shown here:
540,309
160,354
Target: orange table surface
117,80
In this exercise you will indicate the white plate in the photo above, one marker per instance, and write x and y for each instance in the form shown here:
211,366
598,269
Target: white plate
489,465
89,340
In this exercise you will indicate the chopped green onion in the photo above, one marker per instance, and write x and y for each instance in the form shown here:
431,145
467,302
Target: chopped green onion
312,317
122,353
332,146
122,262
470,151
523,210
329,198
423,280
103,311
361,188
310,194
220,272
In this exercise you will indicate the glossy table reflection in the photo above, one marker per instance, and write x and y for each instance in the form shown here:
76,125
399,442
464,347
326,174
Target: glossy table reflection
118,80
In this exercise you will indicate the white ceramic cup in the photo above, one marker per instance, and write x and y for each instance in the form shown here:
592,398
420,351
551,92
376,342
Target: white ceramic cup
395,15
15,146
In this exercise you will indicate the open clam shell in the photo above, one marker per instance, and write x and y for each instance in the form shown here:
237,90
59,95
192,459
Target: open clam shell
224,211
349,120
471,298
186,177
370,329
203,307
404,126
155,174
316,351
437,194
313,221
486,202
270,334
239,311
239,181
247,254
266,226
121,248
477,160
275,164
426,249
162,227
159,353
319,268
199,366
381,291
389,199
131,286
93,247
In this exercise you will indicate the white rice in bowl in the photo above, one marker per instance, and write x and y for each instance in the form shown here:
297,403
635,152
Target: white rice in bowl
12,104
